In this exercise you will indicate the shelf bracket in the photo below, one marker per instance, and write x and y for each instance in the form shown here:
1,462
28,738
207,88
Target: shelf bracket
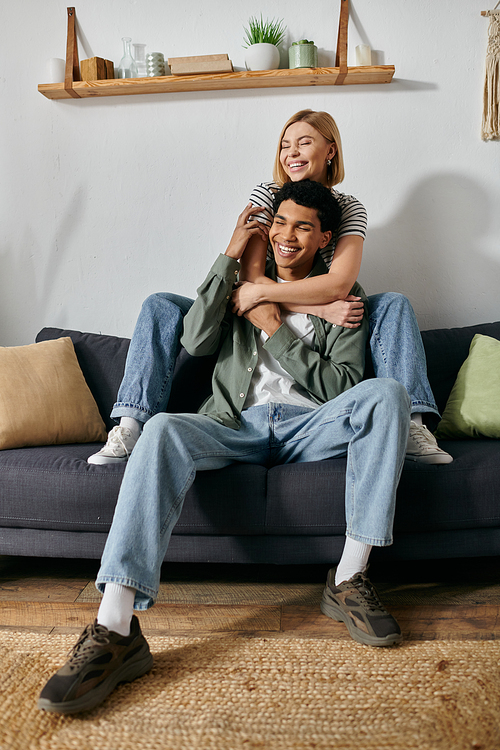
341,54
72,71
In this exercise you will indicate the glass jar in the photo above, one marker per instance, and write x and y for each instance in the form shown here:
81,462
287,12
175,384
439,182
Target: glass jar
140,60
127,67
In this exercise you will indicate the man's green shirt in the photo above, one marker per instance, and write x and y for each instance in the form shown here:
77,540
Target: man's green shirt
334,363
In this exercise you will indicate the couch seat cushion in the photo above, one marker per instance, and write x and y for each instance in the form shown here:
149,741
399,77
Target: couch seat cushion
460,495
53,487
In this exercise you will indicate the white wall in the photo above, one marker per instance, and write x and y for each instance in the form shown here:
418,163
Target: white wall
104,201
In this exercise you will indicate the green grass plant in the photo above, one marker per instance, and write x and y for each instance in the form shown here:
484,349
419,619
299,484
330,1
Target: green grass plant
260,31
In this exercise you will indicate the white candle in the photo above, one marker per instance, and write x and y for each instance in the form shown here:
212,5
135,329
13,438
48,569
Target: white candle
55,70
363,54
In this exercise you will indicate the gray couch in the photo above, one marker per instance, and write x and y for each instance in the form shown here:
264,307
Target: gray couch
53,503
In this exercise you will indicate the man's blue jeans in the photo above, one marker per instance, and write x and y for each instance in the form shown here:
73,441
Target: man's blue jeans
396,348
369,423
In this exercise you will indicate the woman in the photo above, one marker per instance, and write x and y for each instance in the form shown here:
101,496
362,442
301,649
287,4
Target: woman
309,148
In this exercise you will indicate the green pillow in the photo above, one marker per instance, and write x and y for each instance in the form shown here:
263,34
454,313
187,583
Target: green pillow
473,408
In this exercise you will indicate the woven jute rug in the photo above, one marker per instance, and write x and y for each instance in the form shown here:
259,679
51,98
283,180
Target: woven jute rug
236,693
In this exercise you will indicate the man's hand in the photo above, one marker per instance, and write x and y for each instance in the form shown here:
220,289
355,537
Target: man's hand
347,312
246,227
265,316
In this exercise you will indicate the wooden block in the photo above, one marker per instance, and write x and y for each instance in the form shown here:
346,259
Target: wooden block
190,69
110,69
95,69
197,58
200,64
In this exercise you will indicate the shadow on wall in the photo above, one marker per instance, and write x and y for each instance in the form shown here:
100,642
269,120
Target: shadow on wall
432,252
31,274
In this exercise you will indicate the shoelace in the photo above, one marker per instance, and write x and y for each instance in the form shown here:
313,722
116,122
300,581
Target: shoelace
115,438
366,589
422,436
92,635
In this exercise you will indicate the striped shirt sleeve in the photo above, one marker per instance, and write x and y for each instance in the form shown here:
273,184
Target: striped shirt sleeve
263,196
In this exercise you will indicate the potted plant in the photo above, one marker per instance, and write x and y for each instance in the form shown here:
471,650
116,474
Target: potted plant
262,40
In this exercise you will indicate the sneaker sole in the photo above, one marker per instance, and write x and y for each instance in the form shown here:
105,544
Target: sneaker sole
101,460
435,458
94,697
334,612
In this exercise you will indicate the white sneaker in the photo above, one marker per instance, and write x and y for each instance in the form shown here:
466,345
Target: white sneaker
118,448
422,446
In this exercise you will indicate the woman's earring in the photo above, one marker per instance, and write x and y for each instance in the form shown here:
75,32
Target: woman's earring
329,162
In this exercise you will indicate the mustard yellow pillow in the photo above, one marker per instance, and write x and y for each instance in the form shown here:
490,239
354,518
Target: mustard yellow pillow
473,407
44,398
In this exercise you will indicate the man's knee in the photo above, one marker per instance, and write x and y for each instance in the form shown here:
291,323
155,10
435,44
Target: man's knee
385,391
159,426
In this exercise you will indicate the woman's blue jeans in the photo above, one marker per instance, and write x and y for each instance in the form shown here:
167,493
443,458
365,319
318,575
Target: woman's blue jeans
369,423
395,342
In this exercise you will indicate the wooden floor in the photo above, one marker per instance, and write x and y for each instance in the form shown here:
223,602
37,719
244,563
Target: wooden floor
445,600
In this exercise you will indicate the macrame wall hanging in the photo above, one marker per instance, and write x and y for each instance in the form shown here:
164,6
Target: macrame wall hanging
491,96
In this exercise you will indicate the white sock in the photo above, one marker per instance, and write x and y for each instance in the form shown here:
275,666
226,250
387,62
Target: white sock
417,418
116,608
133,425
354,560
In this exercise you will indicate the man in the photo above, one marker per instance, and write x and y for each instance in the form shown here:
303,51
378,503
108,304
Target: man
286,388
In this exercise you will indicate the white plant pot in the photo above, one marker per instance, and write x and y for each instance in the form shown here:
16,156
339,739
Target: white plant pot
262,56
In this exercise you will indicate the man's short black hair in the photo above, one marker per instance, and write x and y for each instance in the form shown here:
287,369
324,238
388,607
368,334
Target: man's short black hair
312,195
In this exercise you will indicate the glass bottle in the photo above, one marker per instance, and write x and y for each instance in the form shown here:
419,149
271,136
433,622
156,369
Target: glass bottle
127,67
140,60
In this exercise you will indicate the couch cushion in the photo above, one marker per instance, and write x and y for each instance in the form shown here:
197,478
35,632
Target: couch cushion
473,408
102,360
44,399
460,495
308,498
446,350
53,487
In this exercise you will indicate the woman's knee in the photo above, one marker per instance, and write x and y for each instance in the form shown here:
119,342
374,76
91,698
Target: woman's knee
379,304
161,303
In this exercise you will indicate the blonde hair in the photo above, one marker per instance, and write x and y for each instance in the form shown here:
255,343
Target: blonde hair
324,124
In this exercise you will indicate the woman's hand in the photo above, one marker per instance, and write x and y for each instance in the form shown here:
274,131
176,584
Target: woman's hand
347,312
245,296
246,227
266,317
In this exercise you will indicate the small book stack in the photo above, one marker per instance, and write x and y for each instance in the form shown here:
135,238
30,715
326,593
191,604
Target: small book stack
199,65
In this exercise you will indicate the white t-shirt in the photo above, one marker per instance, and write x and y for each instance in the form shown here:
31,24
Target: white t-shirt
270,382
353,219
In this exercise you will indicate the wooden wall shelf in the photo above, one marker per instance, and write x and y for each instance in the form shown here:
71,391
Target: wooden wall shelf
341,75
223,81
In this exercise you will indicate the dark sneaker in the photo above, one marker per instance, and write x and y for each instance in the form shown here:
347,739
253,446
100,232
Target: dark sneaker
99,661
356,603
